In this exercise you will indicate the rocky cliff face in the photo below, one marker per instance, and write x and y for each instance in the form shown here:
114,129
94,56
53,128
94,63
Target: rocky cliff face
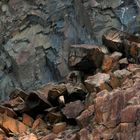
36,35
35,38
69,69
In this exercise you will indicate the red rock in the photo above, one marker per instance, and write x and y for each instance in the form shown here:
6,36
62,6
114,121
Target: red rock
73,109
59,127
107,63
27,120
129,114
17,104
110,62
85,117
39,124
108,108
11,124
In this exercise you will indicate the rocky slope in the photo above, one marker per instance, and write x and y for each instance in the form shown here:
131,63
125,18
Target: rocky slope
99,99
36,36
69,70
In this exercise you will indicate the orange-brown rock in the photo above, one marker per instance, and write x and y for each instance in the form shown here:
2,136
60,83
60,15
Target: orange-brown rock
107,63
110,62
11,124
27,120
39,124
59,127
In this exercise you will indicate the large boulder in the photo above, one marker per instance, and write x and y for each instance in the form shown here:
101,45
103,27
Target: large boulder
85,57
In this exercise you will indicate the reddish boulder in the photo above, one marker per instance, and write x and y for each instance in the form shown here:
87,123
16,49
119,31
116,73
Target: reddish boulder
11,124
110,62
39,124
130,114
84,119
108,107
73,109
27,120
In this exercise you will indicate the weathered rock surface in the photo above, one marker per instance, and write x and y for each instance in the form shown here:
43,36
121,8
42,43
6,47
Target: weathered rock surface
73,109
85,57
41,41
98,82
36,36
35,46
